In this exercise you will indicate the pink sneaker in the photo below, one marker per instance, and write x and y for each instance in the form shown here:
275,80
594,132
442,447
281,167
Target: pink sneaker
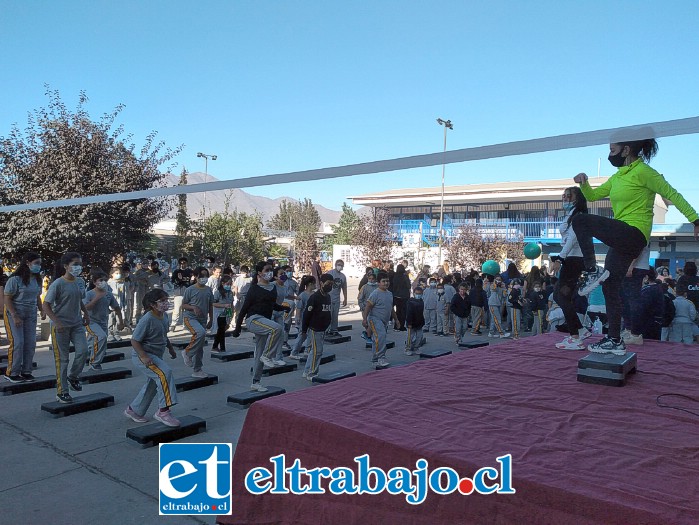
133,415
166,418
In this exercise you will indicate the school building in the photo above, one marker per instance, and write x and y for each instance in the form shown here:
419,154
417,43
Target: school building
530,210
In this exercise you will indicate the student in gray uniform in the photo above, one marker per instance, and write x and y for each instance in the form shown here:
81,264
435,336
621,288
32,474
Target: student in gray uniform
442,311
278,315
260,303
149,342
376,315
292,290
140,286
496,298
307,287
339,285
315,322
63,305
429,297
98,302
363,297
22,299
198,306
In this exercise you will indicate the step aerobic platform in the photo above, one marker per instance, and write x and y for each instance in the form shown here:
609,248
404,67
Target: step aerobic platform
344,328
476,344
389,345
111,357
190,383
324,359
155,433
431,354
333,376
249,397
39,383
232,356
337,339
607,369
80,404
108,374
124,343
288,367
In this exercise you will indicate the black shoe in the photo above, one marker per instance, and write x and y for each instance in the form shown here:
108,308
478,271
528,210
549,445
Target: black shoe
64,398
27,377
75,384
15,379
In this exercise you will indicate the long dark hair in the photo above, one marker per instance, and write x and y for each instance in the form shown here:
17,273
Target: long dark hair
225,279
646,148
580,202
258,268
23,272
152,297
59,270
305,281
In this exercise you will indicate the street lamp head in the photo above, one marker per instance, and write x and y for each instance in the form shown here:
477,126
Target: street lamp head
200,154
213,157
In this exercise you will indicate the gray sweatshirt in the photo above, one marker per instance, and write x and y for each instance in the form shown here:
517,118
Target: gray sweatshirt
685,311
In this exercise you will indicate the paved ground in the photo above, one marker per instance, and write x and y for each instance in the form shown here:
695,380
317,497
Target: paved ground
82,470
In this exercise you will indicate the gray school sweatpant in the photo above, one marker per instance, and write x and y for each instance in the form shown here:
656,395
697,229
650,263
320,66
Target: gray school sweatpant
20,352
379,329
315,352
159,380
96,342
477,318
495,320
539,318
412,343
195,348
268,341
682,333
460,327
430,320
334,315
442,322
60,341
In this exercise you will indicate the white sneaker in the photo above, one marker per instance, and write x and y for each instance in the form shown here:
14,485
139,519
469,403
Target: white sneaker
608,346
267,362
187,359
506,334
200,373
297,357
383,362
571,343
279,362
257,387
494,336
592,280
409,352
631,339
111,338
117,338
584,333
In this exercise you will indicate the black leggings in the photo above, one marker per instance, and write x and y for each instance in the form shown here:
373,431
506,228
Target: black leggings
625,243
565,288
220,337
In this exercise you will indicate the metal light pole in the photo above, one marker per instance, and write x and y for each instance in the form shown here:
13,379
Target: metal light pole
206,157
447,125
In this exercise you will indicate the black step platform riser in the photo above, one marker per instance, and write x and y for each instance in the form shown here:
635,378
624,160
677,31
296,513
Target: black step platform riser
102,376
3,368
432,354
156,433
335,376
337,339
190,383
246,399
79,405
289,367
474,345
232,356
344,328
324,359
111,357
40,383
389,345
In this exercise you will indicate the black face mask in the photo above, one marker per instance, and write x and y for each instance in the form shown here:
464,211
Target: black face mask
328,287
617,160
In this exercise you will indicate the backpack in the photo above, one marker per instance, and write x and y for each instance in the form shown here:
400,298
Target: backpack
668,309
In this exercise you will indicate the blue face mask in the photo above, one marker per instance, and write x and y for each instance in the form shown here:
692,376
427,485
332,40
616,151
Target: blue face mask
227,287
289,274
418,296
35,268
568,206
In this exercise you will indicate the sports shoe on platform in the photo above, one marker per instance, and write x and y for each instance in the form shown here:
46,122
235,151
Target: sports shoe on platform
505,335
257,387
631,339
166,418
278,362
286,346
608,346
14,379
200,373
571,343
187,359
64,398
75,384
110,338
496,336
27,377
297,357
267,361
96,367
592,280
366,337
382,363
409,352
117,338
309,377
625,333
584,333
133,415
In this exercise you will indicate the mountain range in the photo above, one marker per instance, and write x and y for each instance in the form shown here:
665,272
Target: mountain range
241,201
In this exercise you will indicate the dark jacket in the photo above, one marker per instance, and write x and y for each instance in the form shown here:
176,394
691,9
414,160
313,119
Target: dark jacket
537,300
478,298
461,306
415,316
514,298
258,301
401,285
317,313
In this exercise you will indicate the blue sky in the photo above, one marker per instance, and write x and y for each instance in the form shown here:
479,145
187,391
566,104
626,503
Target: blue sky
281,86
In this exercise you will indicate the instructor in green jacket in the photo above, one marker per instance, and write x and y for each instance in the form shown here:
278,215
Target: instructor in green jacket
632,191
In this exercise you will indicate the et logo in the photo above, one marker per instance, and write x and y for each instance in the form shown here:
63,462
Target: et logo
195,478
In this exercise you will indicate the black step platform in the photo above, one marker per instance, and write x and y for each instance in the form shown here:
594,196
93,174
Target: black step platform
108,374
324,359
389,345
39,383
228,333
289,367
155,433
606,369
232,356
344,328
111,357
80,404
337,339
124,343
477,344
249,397
333,376
3,357
431,354
3,368
190,383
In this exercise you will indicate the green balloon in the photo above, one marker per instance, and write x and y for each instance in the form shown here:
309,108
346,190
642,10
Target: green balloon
532,250
491,267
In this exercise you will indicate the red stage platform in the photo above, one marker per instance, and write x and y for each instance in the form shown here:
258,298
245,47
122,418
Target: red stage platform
581,453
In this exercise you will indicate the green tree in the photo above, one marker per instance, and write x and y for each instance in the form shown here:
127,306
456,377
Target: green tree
64,154
374,236
295,217
345,230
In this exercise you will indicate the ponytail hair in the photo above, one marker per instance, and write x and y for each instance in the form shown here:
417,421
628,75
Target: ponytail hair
23,272
646,148
305,281
258,268
580,202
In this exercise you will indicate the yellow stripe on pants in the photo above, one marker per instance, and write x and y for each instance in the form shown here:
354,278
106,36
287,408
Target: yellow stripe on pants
11,338
163,382
57,359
